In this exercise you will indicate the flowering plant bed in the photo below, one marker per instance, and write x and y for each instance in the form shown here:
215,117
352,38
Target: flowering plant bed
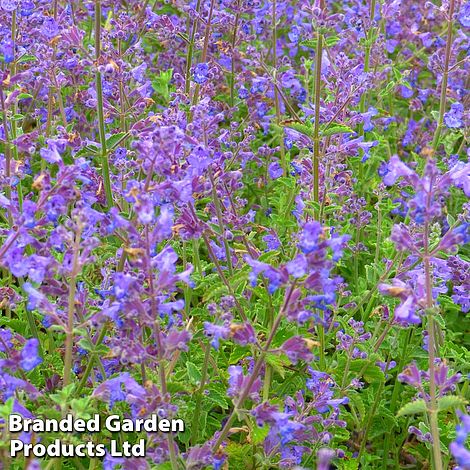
234,234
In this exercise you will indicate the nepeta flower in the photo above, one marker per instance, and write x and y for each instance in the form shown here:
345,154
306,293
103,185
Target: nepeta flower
29,355
200,74
216,333
453,118
238,382
9,5
297,349
458,447
275,170
464,14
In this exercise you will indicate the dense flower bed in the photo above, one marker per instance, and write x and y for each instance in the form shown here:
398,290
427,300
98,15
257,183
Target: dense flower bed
251,216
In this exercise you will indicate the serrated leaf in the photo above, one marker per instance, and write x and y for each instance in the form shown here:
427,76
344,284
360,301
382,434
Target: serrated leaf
277,363
217,398
351,464
357,401
450,401
216,292
258,435
308,43
114,140
336,129
413,408
239,352
331,40
193,373
341,434
302,128
370,372
88,150
27,58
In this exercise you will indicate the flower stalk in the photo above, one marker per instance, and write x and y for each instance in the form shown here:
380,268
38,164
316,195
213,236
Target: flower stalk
68,358
100,108
317,99
445,76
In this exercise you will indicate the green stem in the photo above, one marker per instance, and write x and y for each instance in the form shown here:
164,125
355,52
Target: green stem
218,210
100,108
158,336
445,77
71,311
204,49
7,150
371,414
276,91
232,75
189,55
321,336
254,374
199,396
224,279
316,129
395,392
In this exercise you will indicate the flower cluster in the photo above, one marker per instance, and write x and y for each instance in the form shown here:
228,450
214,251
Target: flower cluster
249,215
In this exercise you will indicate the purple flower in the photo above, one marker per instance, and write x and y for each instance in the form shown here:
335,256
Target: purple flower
275,170
216,333
453,118
9,5
397,169
294,34
50,28
238,382
464,14
51,153
324,457
309,236
367,119
298,266
272,241
200,74
460,175
243,334
8,50
112,390
298,349
29,355
457,447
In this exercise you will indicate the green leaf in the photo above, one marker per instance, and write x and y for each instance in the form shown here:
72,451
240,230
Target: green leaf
26,58
357,401
193,373
277,363
351,464
238,352
335,129
164,466
331,40
302,128
258,435
88,150
217,398
24,96
161,83
61,398
450,402
6,409
114,140
341,434
413,408
312,43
